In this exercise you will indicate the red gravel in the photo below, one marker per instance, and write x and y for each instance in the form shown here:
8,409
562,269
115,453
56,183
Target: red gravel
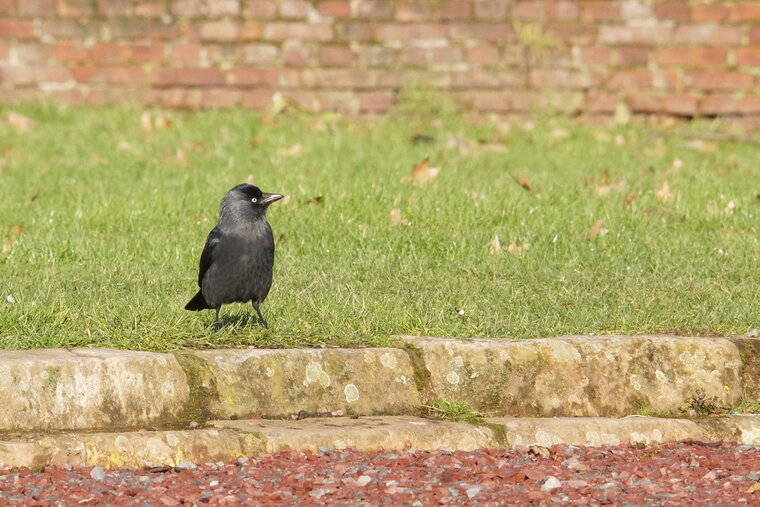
671,474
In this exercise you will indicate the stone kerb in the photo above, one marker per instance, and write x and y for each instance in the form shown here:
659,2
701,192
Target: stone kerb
280,383
578,375
58,389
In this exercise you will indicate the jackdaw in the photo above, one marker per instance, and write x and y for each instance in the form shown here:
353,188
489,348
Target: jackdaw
237,260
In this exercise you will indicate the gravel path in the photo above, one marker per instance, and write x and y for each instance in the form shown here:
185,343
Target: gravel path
671,474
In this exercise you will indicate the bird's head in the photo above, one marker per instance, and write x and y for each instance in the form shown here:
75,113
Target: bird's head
246,202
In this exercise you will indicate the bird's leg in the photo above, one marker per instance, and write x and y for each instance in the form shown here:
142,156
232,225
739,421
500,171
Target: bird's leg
216,322
262,322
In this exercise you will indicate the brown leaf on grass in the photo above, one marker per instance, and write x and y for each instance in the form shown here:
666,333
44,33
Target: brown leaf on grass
149,122
559,134
757,254
630,199
664,194
396,218
249,179
19,122
422,173
605,185
13,233
294,151
753,488
757,199
523,182
515,248
701,146
597,229
494,246
256,140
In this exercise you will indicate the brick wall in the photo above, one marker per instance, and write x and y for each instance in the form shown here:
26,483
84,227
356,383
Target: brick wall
682,57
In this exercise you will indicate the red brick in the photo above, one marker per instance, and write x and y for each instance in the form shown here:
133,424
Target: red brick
71,52
632,57
679,104
147,52
635,35
410,31
563,10
754,36
4,50
66,29
298,31
261,54
484,53
294,9
187,8
375,101
491,10
218,30
563,79
497,102
718,103
672,56
593,10
334,8
676,11
595,56
24,75
257,76
35,7
354,31
480,78
415,11
186,53
749,105
533,9
748,56
644,103
377,56
424,56
113,7
256,99
74,8
373,9
181,98
719,80
150,9
110,75
7,6
297,54
482,31
187,77
710,57
222,54
582,34
709,12
339,78
109,52
702,35
250,30
222,8
644,79
602,103
33,52
16,29
336,56
744,12
222,98
456,9
260,9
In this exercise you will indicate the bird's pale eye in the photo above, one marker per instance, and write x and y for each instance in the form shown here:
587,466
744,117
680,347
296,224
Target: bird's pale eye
254,200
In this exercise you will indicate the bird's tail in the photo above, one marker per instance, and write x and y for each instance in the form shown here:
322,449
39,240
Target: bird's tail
197,303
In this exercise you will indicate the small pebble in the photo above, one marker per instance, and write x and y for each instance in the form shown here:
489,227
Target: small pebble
98,474
551,483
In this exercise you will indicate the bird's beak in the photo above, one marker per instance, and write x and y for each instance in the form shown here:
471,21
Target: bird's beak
267,199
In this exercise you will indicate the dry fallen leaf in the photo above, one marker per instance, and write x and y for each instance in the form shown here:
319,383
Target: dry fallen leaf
257,140
515,248
522,181
729,208
755,487
12,234
664,194
19,121
630,199
757,254
597,229
701,146
605,184
396,218
494,246
294,151
622,114
123,146
559,134
423,173
249,179
146,124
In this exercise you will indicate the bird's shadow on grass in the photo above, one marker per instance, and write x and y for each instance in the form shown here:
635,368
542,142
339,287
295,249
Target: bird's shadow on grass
237,321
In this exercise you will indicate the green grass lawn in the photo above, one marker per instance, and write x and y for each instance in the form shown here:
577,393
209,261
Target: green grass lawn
113,217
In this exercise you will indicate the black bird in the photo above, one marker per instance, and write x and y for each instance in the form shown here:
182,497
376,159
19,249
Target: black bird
237,260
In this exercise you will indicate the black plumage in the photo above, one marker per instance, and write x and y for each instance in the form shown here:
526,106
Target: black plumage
237,260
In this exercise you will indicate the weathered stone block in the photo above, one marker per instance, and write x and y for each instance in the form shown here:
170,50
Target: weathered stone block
88,388
596,431
364,434
578,375
279,383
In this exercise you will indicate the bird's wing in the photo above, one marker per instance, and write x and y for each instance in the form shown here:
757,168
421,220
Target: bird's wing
208,252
